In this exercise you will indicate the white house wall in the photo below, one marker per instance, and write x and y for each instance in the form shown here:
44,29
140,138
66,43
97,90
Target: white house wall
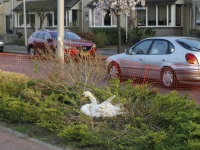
1,19
7,10
180,2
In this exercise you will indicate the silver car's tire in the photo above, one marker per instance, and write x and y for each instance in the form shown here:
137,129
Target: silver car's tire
168,78
115,71
32,51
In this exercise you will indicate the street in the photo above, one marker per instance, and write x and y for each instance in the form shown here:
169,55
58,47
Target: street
22,63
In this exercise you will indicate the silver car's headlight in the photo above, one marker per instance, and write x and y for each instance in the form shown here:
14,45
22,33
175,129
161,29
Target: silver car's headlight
1,43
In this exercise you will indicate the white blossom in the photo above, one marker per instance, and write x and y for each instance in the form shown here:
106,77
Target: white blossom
116,6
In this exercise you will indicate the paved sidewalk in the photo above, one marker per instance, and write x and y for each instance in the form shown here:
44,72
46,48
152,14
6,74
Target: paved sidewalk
12,140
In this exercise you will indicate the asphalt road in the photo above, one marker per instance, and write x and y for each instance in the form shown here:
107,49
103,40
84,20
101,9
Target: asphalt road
106,51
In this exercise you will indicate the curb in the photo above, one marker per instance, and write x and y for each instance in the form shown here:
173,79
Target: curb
21,135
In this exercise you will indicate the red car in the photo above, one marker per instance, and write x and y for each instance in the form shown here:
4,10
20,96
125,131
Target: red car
73,44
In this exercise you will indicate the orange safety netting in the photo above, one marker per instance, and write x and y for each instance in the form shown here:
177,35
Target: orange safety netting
140,75
145,73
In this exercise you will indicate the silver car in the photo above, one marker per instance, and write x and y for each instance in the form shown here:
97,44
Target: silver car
166,59
1,46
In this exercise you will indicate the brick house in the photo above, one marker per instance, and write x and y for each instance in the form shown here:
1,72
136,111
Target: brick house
166,17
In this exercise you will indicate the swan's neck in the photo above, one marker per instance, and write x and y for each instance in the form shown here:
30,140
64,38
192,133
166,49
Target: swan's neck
93,100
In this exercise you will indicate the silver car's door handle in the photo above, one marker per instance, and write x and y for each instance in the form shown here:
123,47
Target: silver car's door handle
141,59
163,59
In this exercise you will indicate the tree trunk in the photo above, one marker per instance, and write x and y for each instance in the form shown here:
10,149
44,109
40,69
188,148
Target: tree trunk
119,50
41,21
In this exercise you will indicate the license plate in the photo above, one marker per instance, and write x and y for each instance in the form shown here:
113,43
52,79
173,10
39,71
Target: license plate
85,53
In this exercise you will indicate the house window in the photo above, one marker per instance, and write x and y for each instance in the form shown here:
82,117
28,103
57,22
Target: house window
49,20
67,18
52,19
178,15
151,15
107,20
74,18
141,17
21,20
169,15
30,20
55,19
160,15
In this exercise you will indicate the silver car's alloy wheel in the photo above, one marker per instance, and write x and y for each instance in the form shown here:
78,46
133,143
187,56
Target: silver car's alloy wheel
114,71
168,78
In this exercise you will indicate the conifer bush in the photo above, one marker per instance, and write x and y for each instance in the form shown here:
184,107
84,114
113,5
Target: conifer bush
150,120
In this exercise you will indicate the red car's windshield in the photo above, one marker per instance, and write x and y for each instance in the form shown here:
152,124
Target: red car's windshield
68,36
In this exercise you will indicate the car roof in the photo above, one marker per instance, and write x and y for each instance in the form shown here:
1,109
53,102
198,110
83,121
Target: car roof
171,37
53,30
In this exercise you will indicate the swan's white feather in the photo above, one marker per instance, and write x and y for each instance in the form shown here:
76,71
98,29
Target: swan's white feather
105,109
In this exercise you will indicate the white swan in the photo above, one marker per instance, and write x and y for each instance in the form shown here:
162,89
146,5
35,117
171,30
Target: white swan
105,109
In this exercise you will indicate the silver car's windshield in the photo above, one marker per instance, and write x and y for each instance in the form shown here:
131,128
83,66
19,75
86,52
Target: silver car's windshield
192,44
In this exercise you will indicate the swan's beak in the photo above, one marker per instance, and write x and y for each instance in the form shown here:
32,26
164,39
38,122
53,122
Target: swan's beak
82,97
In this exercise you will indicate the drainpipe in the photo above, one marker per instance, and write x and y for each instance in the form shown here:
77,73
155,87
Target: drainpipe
126,29
194,13
12,16
82,16
25,30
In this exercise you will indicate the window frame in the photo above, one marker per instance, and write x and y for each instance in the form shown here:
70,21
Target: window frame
113,20
18,20
169,20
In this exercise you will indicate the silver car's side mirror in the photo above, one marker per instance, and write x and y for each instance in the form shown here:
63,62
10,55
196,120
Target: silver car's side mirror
126,51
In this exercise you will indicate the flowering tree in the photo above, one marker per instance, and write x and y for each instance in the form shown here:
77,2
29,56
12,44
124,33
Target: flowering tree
116,7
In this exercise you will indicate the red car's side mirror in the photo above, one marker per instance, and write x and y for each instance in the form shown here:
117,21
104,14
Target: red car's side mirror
49,40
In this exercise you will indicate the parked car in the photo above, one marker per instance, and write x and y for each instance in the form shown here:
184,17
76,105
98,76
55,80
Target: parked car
1,45
73,44
167,59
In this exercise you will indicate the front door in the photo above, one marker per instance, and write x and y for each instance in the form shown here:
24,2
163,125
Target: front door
8,24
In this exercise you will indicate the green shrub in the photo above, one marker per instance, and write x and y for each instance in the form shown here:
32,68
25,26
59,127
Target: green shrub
150,120
194,33
21,42
19,34
100,39
82,134
137,34
86,35
112,34
12,83
148,32
15,110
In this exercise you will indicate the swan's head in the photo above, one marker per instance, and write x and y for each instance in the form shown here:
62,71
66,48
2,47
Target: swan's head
86,94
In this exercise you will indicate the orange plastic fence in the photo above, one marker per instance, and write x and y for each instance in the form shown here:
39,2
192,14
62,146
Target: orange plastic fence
145,73
24,64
